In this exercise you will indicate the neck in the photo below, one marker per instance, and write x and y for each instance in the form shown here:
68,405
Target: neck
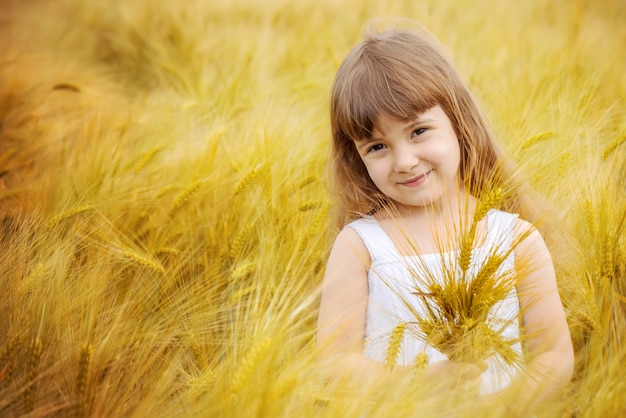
430,228
452,207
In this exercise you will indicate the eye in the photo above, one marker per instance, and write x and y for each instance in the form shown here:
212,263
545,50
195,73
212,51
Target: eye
375,147
418,132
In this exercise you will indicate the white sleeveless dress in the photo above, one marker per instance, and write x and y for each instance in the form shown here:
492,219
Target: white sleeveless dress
390,285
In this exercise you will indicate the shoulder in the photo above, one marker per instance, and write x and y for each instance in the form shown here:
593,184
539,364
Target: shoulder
529,244
520,227
522,235
526,231
349,244
348,264
361,223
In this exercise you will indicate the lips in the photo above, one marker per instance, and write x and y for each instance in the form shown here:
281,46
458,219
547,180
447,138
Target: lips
417,180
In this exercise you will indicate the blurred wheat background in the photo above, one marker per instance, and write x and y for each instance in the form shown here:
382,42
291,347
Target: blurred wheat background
164,217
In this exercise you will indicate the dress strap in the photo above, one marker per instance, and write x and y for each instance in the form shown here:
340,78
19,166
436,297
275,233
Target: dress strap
375,238
500,230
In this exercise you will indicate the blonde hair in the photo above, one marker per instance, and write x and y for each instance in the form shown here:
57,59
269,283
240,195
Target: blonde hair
402,73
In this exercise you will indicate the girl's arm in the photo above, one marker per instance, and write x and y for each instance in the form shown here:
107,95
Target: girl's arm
341,322
548,339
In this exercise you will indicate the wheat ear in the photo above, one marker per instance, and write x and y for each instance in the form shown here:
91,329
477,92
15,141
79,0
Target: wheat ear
310,204
243,269
85,360
183,198
32,369
143,261
246,367
146,159
242,293
490,201
305,182
563,163
195,349
320,219
240,240
395,343
167,250
421,361
536,138
57,219
7,351
613,146
247,179
586,320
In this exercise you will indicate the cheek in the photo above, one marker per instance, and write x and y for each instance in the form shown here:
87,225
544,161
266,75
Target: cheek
450,151
375,172
454,160
371,170
440,153
454,152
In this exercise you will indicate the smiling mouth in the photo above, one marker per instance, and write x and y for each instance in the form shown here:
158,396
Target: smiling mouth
417,180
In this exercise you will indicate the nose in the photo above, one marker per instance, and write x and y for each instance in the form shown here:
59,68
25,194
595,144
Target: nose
405,159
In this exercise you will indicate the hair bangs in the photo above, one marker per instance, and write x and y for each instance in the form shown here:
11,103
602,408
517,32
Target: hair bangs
375,84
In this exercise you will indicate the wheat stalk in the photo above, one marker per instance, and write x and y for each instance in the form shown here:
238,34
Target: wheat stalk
32,369
165,190
613,146
7,351
536,138
242,293
240,240
246,368
491,200
395,342
586,320
183,198
195,349
243,269
174,237
320,219
304,182
57,219
146,159
310,204
607,269
200,385
420,361
481,288
563,163
591,216
144,261
85,360
248,179
9,347
167,250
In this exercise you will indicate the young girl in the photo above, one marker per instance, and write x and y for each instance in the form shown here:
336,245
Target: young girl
412,157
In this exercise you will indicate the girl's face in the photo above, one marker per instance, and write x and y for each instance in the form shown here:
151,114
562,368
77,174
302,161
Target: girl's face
414,163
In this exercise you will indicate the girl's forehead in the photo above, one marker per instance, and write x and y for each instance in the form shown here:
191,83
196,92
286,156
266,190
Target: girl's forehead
385,121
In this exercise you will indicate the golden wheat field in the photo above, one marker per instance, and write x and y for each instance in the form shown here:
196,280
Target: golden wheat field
164,213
